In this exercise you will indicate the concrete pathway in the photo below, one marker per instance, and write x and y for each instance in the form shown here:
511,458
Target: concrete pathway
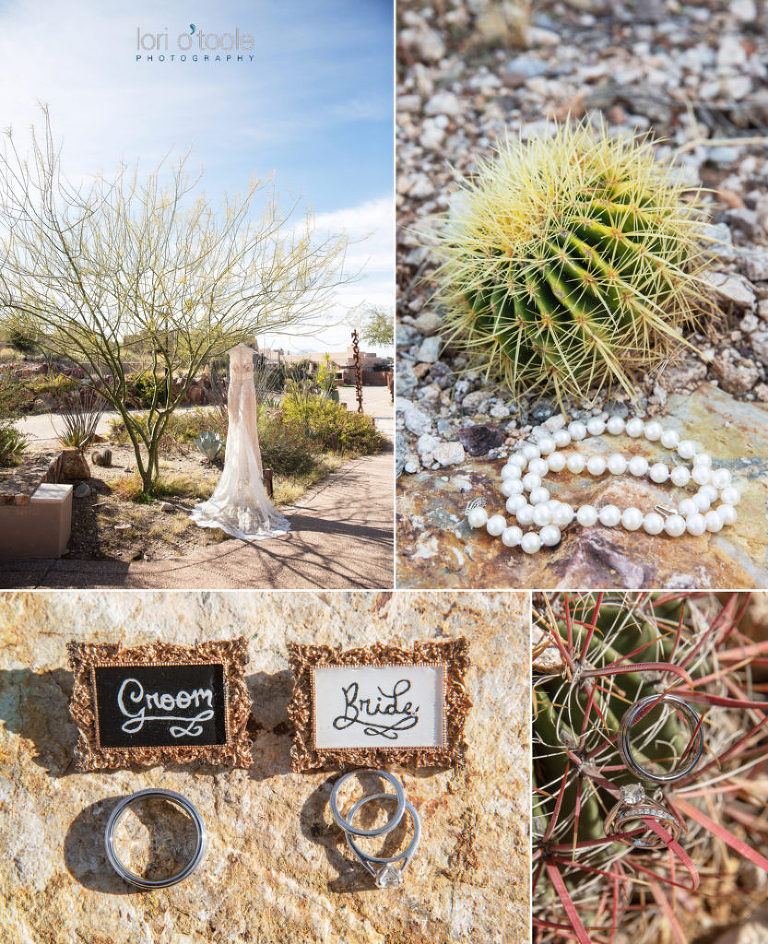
342,538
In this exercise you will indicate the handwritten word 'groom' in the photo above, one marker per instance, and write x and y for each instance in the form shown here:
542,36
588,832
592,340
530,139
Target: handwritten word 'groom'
394,714
133,690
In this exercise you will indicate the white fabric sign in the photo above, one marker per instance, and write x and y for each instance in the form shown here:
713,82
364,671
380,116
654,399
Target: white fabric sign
397,706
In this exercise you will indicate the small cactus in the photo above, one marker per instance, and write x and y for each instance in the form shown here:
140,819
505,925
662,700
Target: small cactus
103,458
596,654
572,264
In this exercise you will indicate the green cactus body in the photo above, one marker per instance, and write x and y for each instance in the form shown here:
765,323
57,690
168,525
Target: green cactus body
571,263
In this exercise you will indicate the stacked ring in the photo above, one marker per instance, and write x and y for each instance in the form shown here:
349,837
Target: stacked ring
633,806
386,870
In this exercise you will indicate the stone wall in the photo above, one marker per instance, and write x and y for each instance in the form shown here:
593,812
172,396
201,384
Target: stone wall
276,870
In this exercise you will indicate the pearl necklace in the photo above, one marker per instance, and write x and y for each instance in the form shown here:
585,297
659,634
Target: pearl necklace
532,505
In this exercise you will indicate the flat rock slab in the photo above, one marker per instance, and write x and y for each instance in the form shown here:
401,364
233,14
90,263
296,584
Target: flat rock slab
277,870
437,548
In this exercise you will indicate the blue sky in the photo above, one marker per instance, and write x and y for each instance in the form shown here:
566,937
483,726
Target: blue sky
315,106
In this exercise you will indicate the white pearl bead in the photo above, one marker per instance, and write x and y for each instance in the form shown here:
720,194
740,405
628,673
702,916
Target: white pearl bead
587,516
538,466
562,438
546,445
617,464
495,525
702,458
710,491
511,472
553,504
638,465
701,474
531,481
577,430
674,525
576,462
686,449
511,487
515,503
563,515
615,425
702,501
541,515
511,537
714,521
550,535
596,465
531,451
538,496
653,523
695,524
477,516
609,516
525,515
596,426
632,519
556,462
517,459
635,427
721,478
688,507
659,472
680,475
727,513
653,431
531,542
669,439
730,495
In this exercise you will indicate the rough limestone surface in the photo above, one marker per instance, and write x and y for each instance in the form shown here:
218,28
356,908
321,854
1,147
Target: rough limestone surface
437,548
277,870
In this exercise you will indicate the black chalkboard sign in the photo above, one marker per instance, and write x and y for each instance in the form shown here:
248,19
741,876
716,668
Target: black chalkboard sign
160,706
160,703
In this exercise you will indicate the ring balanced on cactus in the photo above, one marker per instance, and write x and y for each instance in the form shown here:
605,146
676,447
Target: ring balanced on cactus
572,263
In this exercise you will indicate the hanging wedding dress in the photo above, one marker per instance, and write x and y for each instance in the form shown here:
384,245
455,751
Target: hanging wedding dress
240,505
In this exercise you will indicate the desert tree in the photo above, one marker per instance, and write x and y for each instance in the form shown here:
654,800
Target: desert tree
379,326
129,273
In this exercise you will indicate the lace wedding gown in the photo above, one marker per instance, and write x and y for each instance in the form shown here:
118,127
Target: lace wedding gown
240,505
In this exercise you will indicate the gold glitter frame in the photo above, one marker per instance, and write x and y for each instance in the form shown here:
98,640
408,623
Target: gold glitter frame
231,653
453,654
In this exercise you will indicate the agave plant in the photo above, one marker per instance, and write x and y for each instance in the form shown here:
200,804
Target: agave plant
572,263
210,444
594,656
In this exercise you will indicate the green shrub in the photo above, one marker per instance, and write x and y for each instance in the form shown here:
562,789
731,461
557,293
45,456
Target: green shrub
15,399
22,333
286,447
331,427
12,443
143,387
56,385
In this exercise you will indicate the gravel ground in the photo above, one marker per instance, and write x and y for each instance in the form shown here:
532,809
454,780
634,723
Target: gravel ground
695,76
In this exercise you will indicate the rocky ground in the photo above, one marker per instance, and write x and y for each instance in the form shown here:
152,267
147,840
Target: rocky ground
693,75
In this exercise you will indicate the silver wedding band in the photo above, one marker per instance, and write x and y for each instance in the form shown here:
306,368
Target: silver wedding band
625,746
386,870
137,880
347,825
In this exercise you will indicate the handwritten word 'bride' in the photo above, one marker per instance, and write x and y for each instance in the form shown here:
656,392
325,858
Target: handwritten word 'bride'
133,690
400,716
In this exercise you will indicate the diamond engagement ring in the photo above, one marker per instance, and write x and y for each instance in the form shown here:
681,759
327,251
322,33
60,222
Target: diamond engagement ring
386,870
139,881
625,822
693,750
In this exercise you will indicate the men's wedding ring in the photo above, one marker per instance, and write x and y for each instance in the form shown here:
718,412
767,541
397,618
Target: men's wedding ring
693,751
139,881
